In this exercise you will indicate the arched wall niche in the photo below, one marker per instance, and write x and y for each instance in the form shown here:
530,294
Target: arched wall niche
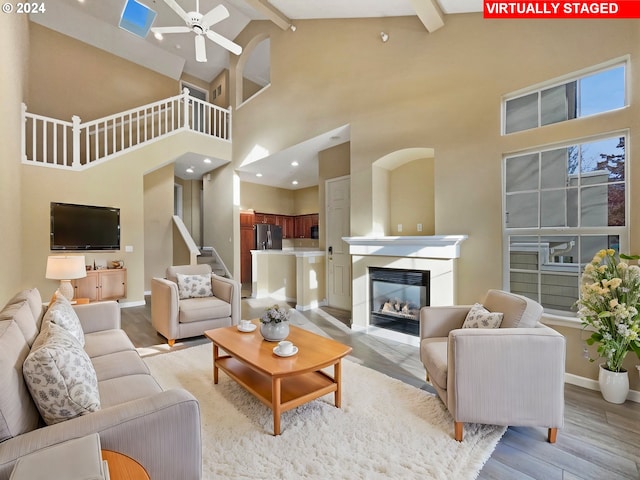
403,201
253,69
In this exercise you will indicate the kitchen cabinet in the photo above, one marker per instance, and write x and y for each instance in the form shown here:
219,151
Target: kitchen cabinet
303,224
247,243
101,285
287,224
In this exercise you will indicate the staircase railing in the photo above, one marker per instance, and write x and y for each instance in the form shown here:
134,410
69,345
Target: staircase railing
76,145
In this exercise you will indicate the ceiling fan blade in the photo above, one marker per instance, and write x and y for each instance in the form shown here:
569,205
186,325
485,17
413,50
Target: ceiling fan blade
201,49
224,42
178,9
216,15
170,30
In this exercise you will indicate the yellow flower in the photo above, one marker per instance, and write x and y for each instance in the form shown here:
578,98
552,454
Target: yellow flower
611,252
615,282
613,303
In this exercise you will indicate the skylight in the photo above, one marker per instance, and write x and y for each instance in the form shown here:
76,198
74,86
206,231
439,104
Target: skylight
137,18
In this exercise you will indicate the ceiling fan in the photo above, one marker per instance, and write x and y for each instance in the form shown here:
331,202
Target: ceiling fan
200,24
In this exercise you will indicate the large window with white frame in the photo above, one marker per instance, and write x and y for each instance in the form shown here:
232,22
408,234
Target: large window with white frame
576,97
561,205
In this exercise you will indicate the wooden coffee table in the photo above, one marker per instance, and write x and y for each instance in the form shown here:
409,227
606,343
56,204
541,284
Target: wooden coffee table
281,383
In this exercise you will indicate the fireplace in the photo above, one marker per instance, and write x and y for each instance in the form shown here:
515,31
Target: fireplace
396,298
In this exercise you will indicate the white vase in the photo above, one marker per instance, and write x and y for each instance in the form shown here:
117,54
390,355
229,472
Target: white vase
274,332
613,385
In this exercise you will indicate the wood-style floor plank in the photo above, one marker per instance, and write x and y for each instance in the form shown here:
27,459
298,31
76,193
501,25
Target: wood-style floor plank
600,440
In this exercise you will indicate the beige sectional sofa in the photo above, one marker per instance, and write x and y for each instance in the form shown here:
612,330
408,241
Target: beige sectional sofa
160,429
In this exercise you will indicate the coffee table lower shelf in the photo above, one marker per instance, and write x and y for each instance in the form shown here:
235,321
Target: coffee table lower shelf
279,393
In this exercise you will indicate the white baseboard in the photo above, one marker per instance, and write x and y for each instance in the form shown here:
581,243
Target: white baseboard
311,306
591,384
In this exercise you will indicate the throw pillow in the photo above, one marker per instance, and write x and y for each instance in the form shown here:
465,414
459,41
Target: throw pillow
480,317
62,314
194,286
60,377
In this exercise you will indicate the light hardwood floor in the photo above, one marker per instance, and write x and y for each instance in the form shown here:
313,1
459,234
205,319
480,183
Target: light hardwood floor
600,440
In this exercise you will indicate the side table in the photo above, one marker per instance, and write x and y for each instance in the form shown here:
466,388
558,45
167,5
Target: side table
122,467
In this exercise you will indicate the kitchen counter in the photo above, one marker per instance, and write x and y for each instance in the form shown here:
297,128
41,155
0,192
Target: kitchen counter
290,275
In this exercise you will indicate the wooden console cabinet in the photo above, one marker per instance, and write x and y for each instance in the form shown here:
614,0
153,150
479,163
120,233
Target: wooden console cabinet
102,285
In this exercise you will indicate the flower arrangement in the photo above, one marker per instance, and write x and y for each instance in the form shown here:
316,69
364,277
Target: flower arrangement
274,314
609,303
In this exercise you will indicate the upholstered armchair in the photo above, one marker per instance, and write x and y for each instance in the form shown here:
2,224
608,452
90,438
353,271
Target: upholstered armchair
192,299
512,375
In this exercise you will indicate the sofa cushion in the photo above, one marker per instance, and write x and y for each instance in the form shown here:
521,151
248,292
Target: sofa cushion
106,342
119,364
194,286
60,377
197,309
23,316
33,297
434,356
18,413
480,317
119,390
62,314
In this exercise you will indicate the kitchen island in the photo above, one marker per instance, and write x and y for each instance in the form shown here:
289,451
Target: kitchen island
291,275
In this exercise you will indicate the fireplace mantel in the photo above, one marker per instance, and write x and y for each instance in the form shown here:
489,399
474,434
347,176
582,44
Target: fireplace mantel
436,254
428,246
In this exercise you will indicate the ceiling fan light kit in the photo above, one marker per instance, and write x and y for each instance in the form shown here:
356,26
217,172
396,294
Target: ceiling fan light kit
200,25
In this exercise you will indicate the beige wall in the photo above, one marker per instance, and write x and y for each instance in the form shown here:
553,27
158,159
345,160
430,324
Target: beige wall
13,77
411,198
427,96
305,200
158,207
68,77
333,162
265,199
221,223
439,91
191,211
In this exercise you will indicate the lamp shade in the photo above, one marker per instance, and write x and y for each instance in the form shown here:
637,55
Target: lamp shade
65,267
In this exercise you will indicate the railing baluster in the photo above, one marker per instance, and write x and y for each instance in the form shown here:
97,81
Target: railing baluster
55,142
44,142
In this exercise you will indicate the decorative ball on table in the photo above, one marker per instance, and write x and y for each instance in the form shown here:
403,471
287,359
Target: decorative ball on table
274,323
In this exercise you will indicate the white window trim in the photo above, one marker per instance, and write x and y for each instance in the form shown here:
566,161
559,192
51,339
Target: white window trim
573,76
623,232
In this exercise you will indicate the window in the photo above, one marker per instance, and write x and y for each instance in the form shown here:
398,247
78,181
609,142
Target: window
562,205
591,94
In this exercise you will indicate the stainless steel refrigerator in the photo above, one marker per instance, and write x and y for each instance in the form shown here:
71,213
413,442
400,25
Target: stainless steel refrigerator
268,236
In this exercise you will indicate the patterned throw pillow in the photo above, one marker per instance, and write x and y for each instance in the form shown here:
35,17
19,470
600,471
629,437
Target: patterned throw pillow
60,377
62,314
480,317
194,286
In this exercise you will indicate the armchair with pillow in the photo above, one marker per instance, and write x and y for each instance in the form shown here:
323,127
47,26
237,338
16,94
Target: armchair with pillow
192,299
495,363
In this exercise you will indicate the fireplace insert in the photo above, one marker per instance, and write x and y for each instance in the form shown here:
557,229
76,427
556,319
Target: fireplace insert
396,298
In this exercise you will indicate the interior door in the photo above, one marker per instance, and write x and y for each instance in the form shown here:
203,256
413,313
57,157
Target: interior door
338,215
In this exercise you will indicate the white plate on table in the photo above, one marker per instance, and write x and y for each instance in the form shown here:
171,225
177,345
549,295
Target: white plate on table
276,350
251,328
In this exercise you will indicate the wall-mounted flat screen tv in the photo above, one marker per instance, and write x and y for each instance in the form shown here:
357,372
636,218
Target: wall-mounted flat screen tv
84,227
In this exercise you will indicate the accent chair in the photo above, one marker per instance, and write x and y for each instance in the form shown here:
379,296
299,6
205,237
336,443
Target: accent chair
512,375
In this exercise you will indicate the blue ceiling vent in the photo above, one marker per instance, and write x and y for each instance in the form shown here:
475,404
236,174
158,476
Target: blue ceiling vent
137,18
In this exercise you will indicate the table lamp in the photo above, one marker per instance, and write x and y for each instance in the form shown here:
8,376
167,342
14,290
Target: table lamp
65,269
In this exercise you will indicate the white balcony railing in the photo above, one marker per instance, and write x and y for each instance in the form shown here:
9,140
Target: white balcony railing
76,145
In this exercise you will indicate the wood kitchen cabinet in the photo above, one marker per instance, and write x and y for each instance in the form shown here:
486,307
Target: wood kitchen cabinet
287,224
247,243
102,285
303,224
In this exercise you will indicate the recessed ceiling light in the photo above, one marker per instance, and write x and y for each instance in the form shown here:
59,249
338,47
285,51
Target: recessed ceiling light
295,182
207,160
258,174
158,36
189,170
294,164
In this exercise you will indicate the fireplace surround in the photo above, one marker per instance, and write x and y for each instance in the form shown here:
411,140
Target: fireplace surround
435,254
396,298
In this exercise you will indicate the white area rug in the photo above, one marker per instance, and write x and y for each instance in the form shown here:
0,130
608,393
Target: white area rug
385,429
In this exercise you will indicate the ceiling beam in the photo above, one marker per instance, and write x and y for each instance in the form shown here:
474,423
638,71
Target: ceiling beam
429,14
271,12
